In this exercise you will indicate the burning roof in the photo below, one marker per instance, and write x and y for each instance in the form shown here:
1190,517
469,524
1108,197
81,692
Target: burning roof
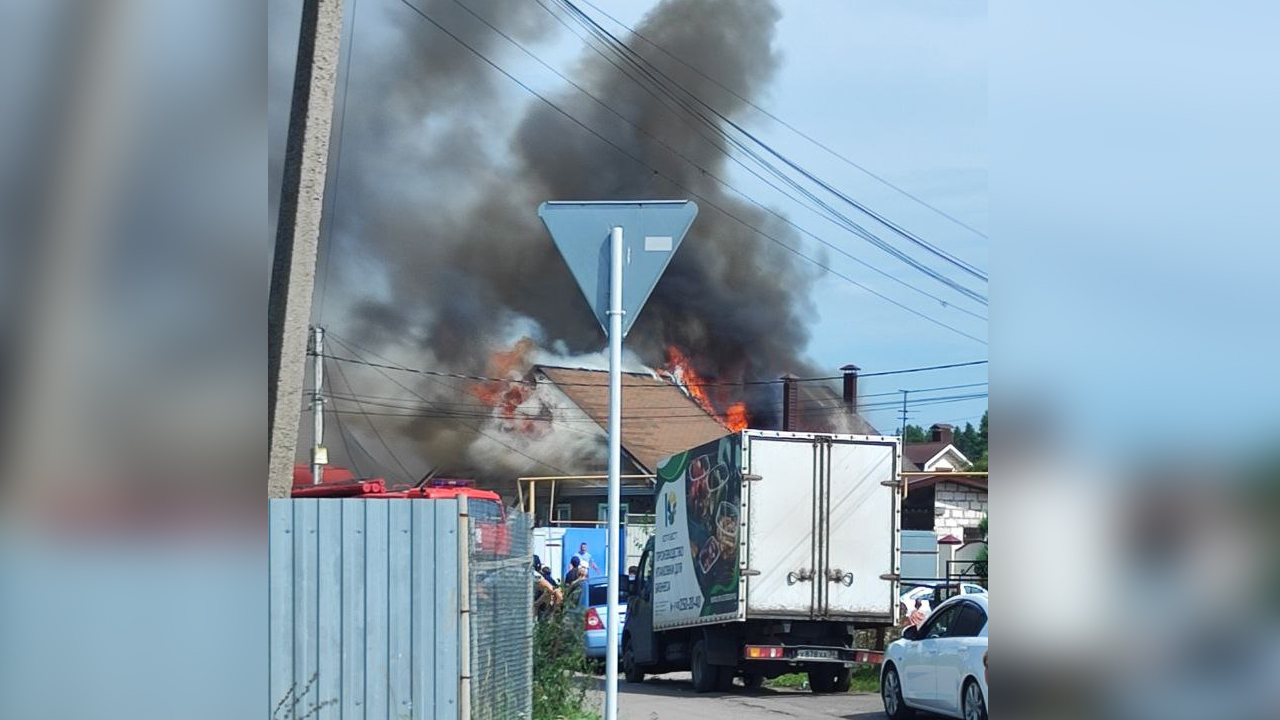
658,418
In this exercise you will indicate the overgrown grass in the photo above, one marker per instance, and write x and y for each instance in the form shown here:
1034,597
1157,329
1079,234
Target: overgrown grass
559,685
866,678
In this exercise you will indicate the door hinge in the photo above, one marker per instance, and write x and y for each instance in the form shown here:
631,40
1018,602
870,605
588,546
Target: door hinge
748,572
895,577
752,478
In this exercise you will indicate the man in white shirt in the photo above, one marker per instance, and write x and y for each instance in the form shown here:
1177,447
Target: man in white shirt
584,557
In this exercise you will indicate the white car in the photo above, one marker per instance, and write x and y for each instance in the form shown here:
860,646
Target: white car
925,592
941,667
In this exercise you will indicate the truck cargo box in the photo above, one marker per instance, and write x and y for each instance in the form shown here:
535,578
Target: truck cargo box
777,525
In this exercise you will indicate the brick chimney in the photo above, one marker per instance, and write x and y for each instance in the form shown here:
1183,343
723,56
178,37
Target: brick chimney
942,433
790,402
850,388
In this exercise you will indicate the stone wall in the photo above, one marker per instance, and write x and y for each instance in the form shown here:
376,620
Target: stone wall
961,507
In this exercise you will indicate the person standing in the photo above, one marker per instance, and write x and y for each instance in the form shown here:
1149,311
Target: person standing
584,558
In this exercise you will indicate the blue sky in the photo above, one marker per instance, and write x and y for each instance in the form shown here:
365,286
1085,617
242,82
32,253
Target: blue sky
900,89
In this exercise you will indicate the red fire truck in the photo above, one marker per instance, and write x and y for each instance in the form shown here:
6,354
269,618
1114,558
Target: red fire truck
488,516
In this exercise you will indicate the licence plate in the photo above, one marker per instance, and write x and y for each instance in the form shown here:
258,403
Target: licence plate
807,654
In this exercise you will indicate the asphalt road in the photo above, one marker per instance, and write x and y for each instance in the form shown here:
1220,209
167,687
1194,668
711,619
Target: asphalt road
669,697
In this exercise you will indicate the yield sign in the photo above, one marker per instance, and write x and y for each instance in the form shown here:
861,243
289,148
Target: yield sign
651,232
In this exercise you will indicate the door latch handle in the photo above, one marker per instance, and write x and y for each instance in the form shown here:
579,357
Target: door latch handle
801,575
836,575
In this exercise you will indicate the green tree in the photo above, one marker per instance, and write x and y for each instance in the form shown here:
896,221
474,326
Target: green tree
982,435
967,442
980,566
914,434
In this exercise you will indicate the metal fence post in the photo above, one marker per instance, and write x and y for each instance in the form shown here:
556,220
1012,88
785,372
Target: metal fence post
464,609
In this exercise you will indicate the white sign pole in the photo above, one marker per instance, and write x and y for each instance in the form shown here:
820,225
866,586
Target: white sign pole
615,460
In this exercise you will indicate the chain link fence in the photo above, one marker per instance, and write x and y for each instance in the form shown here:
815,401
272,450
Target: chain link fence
501,638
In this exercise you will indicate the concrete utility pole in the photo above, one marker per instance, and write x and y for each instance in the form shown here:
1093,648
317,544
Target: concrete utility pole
298,231
902,431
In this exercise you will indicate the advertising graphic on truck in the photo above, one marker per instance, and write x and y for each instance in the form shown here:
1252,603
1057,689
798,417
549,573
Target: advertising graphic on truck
697,539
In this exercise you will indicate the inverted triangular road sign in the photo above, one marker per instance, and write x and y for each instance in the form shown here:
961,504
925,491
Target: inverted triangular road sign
651,232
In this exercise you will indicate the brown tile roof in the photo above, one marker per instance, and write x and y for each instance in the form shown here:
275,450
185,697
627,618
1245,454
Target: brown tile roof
977,483
658,419
921,453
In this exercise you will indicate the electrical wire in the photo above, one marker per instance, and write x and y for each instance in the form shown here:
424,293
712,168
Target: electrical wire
786,124
332,182
894,227
474,429
674,182
650,385
715,177
643,66
408,475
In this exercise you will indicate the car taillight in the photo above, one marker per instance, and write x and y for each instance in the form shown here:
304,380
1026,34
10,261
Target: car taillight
762,652
593,620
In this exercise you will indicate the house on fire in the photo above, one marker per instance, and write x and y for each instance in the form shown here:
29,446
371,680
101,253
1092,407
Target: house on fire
660,419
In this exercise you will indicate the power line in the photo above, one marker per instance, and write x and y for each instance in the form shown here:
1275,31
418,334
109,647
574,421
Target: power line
675,182
474,429
897,229
786,124
342,432
408,475
711,174
337,169
642,65
484,378
429,413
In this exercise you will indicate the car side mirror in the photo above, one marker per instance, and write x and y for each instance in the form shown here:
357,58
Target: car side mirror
911,633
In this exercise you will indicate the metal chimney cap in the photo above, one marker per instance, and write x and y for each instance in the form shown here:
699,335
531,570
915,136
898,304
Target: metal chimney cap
850,368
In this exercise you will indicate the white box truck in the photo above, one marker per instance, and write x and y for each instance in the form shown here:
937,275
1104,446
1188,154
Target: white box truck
769,550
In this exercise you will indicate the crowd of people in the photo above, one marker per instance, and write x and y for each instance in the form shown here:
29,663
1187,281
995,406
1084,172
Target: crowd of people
549,593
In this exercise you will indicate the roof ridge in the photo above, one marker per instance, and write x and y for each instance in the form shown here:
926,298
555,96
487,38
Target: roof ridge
545,366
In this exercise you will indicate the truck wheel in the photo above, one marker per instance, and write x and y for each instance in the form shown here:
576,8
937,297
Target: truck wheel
705,675
632,671
724,679
752,681
830,680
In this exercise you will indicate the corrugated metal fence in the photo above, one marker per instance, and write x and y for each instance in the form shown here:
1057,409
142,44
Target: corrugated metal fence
366,620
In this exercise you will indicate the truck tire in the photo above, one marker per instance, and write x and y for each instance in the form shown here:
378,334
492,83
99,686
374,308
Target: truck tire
830,680
724,683
752,681
706,677
630,669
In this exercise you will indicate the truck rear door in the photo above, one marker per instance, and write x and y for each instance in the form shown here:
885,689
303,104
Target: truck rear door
782,522
860,525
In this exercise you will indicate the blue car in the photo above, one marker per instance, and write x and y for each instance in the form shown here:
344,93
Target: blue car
594,603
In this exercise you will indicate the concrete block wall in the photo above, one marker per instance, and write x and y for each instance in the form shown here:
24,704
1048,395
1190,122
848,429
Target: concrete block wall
961,507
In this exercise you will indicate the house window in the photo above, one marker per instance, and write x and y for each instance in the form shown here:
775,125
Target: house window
602,511
563,512
972,534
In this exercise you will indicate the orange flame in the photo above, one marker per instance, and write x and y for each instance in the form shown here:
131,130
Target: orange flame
681,370
507,396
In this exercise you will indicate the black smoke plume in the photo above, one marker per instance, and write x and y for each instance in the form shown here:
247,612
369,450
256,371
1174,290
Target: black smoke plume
438,255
